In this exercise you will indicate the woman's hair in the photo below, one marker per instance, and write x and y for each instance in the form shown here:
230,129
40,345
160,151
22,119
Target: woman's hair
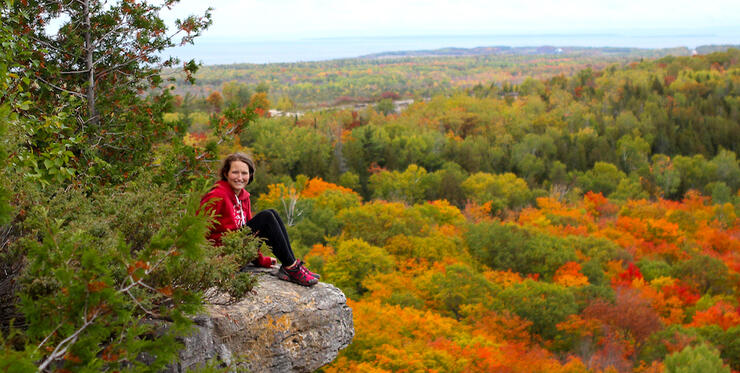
226,166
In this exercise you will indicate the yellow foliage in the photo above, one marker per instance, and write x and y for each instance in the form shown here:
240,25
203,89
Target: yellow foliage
504,278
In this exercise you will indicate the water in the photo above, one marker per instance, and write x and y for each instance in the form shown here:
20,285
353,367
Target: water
209,51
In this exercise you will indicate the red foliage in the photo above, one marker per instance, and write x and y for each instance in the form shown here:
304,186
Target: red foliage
687,295
598,205
630,274
613,354
375,169
630,312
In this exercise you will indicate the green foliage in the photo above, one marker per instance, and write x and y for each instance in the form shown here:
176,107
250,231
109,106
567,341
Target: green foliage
350,180
89,120
652,269
376,222
108,264
694,360
728,342
666,176
632,153
410,186
656,346
354,261
83,299
706,273
347,80
508,246
287,149
385,106
542,303
504,191
459,285
603,178
629,188
727,168
5,209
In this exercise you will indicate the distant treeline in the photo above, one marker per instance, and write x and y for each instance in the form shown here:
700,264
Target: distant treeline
412,74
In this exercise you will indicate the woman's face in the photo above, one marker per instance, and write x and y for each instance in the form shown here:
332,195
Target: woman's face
238,175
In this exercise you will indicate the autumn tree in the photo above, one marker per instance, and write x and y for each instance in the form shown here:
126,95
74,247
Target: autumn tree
215,101
97,68
354,262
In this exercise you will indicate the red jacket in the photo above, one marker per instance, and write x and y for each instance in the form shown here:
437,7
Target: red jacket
225,205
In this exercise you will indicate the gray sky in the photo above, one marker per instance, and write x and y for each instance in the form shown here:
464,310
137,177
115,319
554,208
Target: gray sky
298,19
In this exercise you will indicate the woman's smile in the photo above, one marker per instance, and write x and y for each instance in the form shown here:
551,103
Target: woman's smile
238,176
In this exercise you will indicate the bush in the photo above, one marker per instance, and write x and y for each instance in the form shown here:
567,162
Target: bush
700,359
104,270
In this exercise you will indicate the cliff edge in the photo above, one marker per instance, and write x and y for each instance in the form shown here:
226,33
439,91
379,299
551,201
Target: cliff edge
280,327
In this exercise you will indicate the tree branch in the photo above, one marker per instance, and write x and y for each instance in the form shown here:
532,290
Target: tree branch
60,88
59,351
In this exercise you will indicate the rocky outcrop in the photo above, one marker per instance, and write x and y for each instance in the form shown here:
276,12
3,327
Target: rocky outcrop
280,327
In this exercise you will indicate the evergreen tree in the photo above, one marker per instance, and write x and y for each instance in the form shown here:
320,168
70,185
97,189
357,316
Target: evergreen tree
101,71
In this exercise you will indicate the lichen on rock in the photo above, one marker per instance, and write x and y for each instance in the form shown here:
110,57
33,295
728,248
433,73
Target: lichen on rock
279,327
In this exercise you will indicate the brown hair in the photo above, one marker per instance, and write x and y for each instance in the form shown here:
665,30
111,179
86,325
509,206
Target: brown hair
241,157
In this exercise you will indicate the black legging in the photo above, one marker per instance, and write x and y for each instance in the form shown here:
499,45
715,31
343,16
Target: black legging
268,225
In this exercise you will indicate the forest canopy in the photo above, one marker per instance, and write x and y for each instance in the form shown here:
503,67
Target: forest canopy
576,218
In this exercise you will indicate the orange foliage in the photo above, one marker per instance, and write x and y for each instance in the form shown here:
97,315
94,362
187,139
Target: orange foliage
393,338
723,314
668,305
320,251
598,205
317,186
569,274
478,213
406,339
385,286
503,278
498,326
580,327
719,241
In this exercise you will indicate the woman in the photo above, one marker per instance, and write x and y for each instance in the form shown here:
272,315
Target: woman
230,203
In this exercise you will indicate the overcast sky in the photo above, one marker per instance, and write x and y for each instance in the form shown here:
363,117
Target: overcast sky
298,19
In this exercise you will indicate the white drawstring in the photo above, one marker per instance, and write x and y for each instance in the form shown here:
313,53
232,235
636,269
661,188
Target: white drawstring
242,217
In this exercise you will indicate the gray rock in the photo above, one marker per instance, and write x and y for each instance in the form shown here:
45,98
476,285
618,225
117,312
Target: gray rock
280,327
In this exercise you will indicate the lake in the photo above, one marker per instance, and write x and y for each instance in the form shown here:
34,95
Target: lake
212,51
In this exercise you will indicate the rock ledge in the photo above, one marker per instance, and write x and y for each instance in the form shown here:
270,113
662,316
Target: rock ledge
280,327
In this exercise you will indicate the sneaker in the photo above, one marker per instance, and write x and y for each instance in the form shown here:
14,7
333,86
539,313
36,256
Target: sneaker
302,263
299,275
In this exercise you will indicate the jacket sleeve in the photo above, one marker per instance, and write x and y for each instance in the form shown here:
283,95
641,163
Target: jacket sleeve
213,204
249,209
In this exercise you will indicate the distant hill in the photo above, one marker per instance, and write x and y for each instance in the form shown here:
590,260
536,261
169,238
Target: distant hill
545,49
